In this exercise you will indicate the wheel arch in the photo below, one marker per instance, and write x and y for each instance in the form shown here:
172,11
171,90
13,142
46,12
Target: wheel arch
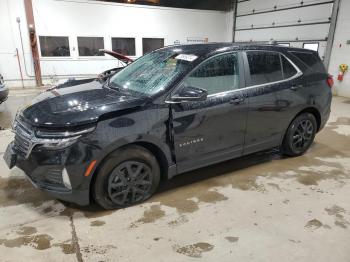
314,111
155,149
158,154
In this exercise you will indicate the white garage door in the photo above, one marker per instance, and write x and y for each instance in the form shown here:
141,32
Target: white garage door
297,23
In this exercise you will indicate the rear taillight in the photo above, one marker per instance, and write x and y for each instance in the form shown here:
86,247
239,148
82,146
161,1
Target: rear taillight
330,81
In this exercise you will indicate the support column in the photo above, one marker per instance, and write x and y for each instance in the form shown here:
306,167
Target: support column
33,42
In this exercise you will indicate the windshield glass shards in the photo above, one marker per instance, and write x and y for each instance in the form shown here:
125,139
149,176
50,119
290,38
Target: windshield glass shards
151,73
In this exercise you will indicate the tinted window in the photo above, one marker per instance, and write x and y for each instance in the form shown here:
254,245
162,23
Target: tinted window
265,67
89,46
54,46
310,59
151,44
288,69
125,46
216,75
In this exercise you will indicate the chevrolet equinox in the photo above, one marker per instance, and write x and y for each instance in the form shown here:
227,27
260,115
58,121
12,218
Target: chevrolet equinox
173,110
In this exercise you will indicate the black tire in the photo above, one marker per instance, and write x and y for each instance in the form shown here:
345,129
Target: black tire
300,135
128,176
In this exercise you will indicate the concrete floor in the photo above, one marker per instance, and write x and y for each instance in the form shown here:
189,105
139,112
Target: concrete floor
256,208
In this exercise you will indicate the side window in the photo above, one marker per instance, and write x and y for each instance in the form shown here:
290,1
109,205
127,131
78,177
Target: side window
311,46
288,69
54,46
216,75
150,44
123,45
89,46
265,67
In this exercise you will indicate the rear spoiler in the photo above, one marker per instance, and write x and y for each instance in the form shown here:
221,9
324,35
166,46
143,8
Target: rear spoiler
119,56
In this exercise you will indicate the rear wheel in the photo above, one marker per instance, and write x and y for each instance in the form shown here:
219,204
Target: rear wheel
300,135
128,176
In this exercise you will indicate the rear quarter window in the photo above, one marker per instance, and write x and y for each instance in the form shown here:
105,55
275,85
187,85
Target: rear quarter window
288,69
311,60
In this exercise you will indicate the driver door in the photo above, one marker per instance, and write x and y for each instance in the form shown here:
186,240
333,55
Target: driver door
213,130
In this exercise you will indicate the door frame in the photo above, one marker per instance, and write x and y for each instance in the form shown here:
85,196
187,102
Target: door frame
242,82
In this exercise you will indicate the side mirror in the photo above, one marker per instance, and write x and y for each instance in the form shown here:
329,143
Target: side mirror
189,94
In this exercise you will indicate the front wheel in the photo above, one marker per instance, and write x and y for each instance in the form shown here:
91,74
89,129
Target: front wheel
300,135
128,176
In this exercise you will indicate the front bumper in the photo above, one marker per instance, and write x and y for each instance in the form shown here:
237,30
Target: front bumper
44,169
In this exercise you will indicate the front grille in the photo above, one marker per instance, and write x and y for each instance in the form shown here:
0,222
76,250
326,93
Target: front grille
23,138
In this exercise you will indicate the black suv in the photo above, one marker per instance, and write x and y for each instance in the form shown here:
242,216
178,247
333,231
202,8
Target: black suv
176,109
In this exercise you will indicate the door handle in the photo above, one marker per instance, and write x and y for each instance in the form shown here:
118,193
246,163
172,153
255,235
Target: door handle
296,88
236,100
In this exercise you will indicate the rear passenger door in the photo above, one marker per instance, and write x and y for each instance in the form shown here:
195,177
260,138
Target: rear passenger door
292,96
264,76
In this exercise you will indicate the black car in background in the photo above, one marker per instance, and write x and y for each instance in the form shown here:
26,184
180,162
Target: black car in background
176,109
4,91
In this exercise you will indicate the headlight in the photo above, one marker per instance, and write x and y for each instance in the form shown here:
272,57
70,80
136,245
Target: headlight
60,139
63,134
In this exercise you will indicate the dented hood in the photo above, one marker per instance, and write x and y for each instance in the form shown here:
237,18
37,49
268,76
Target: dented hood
76,105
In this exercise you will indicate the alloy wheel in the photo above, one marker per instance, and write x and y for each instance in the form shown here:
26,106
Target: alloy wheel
129,182
303,135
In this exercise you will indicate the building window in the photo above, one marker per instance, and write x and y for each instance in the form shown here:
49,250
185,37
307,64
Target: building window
311,46
54,45
150,44
124,46
89,46
284,44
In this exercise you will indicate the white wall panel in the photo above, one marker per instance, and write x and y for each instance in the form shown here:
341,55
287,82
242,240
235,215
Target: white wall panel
263,5
306,14
10,40
74,18
282,34
341,50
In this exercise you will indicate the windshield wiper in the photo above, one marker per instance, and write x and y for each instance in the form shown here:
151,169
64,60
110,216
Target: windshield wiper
114,86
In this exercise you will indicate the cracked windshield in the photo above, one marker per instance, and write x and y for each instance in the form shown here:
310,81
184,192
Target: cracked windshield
151,73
